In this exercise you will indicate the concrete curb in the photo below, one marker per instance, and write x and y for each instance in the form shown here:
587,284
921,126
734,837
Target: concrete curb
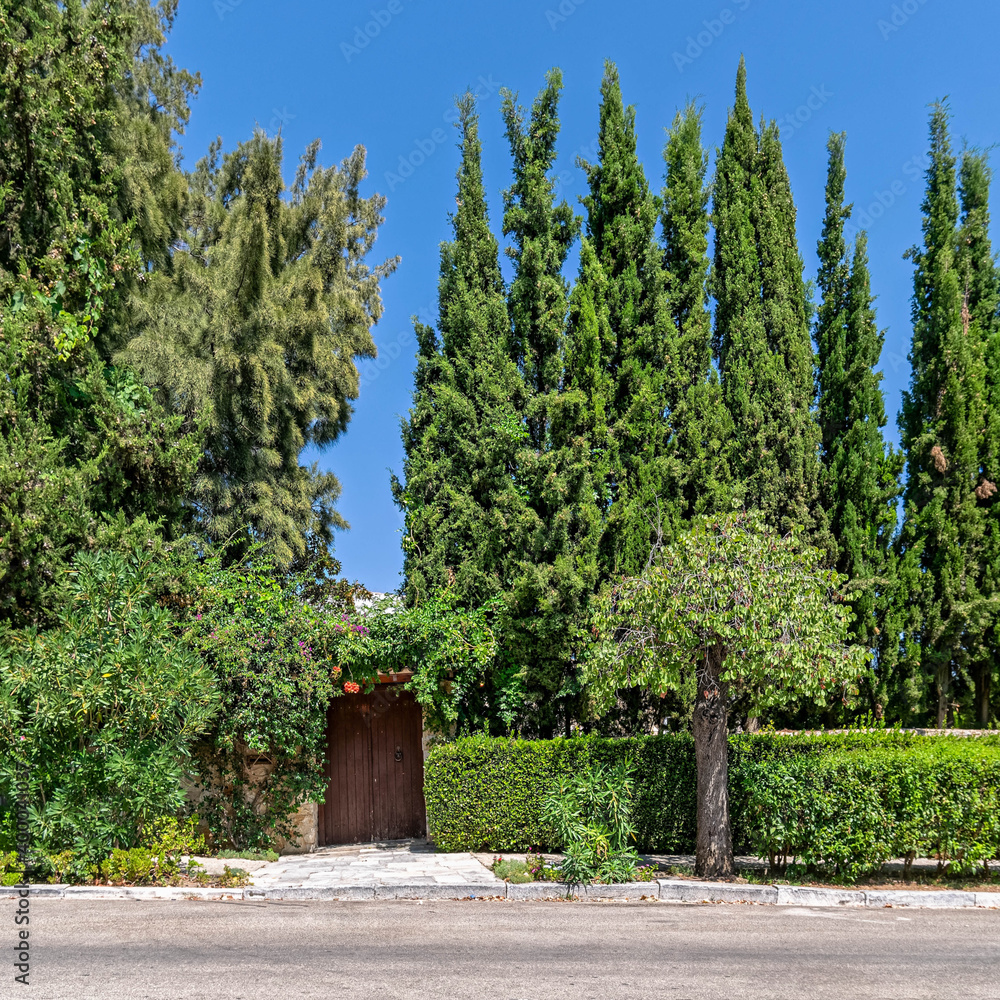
665,890
682,891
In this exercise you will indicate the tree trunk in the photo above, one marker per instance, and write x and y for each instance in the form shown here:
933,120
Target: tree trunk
984,683
714,851
943,677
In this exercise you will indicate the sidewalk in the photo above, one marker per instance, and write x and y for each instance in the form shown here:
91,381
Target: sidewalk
415,870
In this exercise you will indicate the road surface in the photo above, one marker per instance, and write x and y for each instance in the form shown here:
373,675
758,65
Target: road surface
127,950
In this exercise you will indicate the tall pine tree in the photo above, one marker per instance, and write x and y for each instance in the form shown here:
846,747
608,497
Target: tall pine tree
557,550
761,338
627,276
698,424
943,423
860,482
463,502
255,326
981,298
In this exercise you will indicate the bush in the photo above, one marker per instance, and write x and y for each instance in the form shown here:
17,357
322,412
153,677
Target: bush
99,713
591,813
850,812
487,794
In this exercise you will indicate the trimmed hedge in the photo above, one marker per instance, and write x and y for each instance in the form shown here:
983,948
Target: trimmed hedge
485,794
852,812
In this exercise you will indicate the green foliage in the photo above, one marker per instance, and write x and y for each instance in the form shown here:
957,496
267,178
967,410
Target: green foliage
851,812
116,466
762,340
944,422
559,531
488,794
860,483
157,860
463,677
102,709
517,872
11,869
733,586
700,426
255,326
591,814
277,662
249,855
625,337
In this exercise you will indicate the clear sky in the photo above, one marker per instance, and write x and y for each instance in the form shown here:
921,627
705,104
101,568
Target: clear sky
384,73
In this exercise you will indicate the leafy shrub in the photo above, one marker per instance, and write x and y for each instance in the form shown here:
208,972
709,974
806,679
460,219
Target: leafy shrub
591,814
250,855
134,866
849,813
11,869
100,712
487,794
278,662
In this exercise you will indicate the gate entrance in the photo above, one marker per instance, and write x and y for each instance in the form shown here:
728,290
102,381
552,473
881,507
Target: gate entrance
374,768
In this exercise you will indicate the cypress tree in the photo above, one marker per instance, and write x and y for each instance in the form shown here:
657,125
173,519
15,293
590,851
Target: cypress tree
557,550
943,422
699,425
621,220
860,482
981,299
761,338
463,502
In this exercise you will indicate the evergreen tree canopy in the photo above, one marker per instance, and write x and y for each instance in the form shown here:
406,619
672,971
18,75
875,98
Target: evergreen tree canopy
761,339
621,220
255,328
557,568
699,425
943,423
463,502
88,459
860,484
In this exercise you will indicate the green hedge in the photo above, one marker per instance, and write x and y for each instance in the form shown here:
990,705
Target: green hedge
851,812
485,794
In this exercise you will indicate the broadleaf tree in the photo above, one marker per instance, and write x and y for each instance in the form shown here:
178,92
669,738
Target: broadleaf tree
748,613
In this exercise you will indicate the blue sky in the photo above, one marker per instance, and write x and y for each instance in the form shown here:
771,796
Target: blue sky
384,73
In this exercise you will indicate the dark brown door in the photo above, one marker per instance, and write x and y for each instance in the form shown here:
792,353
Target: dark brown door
374,768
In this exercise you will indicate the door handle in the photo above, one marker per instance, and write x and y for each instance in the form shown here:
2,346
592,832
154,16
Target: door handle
399,753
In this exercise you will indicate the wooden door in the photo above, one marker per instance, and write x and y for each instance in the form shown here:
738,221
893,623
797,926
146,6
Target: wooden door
374,768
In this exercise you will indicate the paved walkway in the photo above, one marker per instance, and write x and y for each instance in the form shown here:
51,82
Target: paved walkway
410,862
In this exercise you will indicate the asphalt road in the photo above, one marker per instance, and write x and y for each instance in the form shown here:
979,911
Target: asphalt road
128,950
